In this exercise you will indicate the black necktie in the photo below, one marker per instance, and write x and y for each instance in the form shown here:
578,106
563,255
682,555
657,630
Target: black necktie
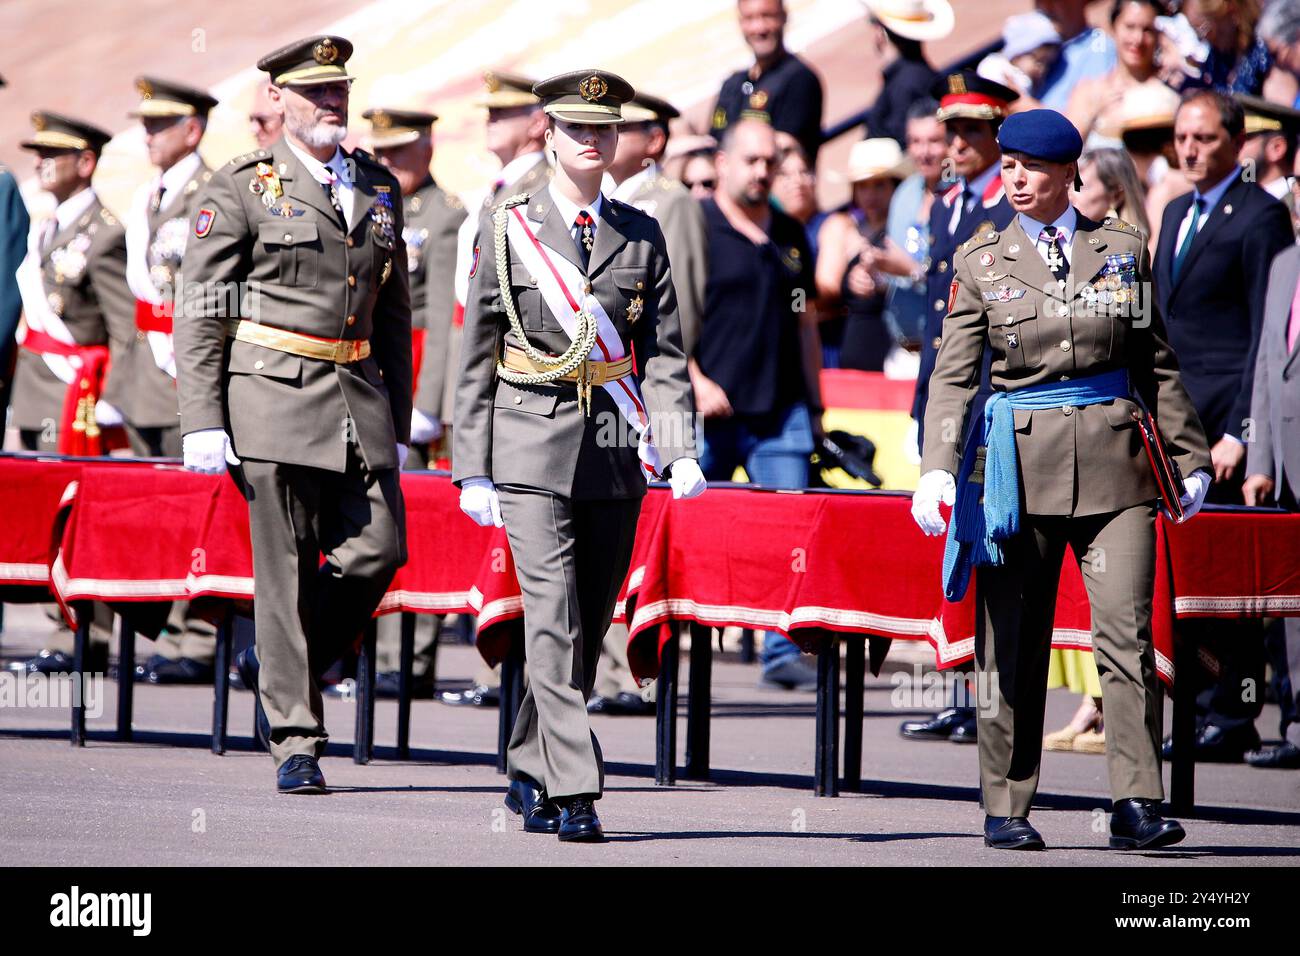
332,191
1055,254
586,237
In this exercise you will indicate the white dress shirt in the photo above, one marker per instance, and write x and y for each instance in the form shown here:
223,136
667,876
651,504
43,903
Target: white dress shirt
336,170
569,211
1065,225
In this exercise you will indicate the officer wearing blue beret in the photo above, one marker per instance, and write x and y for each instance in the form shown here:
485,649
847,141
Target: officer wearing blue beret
1061,305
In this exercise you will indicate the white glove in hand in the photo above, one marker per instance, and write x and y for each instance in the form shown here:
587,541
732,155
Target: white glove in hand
208,451
106,415
423,428
479,500
686,479
402,452
934,486
1195,487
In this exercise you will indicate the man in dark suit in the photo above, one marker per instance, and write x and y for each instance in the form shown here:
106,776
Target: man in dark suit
1273,470
971,109
1211,275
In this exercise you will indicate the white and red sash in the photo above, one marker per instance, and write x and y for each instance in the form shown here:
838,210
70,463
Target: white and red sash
42,330
562,286
153,313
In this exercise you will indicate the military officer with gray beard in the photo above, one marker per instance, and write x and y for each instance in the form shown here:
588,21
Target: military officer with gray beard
294,361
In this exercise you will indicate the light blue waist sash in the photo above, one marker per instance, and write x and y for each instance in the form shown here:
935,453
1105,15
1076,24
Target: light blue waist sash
979,527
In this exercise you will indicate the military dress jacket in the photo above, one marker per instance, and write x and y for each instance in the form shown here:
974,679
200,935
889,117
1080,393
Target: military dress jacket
433,218
1005,301
535,435
291,263
144,393
83,271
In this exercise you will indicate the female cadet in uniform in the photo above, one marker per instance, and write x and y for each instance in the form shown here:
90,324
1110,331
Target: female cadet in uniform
573,393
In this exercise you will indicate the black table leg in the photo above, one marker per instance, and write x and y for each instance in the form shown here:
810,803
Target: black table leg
364,748
84,611
512,692
404,687
698,703
747,646
854,679
666,714
221,681
827,763
125,678
1183,771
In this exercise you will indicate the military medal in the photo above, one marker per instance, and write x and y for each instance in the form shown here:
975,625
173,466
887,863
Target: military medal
415,240
1054,258
269,181
381,216
634,309
986,259
1013,340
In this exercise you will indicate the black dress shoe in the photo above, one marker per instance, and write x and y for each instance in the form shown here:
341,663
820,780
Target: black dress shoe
57,662
142,670
622,704
1135,825
579,823
300,774
183,670
1011,833
249,667
964,733
388,686
540,814
479,695
1215,745
1284,757
938,727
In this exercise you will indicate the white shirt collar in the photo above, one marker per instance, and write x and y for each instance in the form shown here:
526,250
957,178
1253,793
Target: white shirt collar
320,171
513,170
569,210
632,185
1215,192
1065,224
1278,188
181,172
67,211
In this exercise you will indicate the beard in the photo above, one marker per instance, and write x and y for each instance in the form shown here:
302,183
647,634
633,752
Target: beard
316,135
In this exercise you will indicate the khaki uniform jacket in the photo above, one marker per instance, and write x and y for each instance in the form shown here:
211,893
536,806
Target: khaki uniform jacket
84,273
687,235
535,435
433,218
1073,461
308,274
136,386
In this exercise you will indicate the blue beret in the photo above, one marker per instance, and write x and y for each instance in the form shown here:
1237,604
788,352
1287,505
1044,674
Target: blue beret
1043,134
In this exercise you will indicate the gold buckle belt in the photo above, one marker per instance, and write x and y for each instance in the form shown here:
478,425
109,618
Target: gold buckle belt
339,351
588,373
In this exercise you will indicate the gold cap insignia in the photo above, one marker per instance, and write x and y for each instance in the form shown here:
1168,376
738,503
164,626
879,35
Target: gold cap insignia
380,120
325,52
956,84
145,88
593,88
491,82
38,121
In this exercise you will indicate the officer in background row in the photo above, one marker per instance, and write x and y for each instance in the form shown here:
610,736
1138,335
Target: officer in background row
304,387
403,141
14,225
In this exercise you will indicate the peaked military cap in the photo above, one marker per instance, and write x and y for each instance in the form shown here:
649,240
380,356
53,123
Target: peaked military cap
644,108
503,90
319,59
585,96
967,95
389,128
1263,116
56,131
166,98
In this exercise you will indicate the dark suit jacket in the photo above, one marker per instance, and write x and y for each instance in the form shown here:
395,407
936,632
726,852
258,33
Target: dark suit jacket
1214,311
938,283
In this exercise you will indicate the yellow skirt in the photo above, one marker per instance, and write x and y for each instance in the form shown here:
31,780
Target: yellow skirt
1074,669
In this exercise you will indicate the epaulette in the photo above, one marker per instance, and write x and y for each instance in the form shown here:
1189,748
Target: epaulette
984,234
619,204
361,154
1119,225
453,202
108,217
247,159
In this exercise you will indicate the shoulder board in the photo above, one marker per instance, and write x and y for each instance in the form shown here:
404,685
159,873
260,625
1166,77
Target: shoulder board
247,159
108,217
1119,225
984,234
362,155
453,202
626,208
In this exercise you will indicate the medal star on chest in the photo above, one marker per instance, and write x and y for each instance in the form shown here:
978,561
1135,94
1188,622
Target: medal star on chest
634,309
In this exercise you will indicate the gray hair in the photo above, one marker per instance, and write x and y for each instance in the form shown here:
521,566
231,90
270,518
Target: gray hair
1280,22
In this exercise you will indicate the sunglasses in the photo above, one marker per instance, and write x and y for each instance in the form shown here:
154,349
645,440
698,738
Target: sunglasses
702,183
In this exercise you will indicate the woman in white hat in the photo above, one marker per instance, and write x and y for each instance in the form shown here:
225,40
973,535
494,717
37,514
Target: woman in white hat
853,245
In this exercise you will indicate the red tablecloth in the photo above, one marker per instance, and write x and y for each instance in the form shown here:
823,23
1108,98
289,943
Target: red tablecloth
32,491
789,562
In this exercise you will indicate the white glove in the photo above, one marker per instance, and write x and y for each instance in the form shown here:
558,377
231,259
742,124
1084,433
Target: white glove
1195,487
402,452
479,500
208,451
106,415
686,479
934,486
423,428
